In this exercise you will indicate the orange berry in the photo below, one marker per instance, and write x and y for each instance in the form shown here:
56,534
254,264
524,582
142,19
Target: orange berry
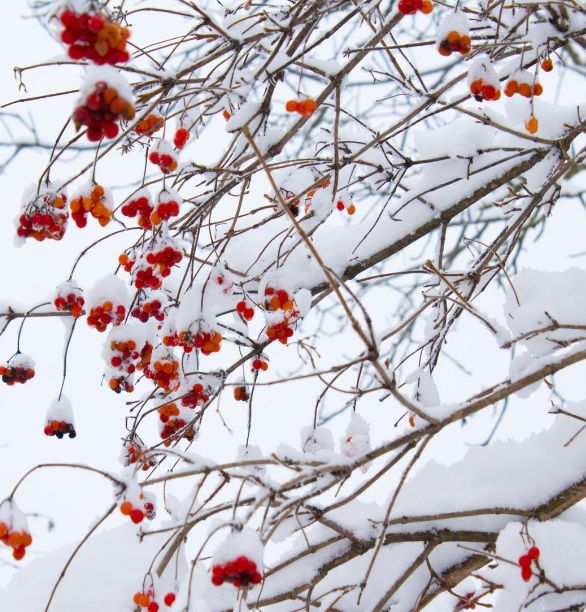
547,65
426,7
525,90
537,89
3,530
453,37
27,539
15,539
309,106
532,125
511,88
292,106
18,553
126,508
107,306
226,114
351,209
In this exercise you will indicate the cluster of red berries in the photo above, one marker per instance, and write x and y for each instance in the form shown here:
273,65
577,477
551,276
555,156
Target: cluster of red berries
278,299
59,429
44,218
280,331
96,203
166,207
149,125
523,88
123,359
101,111
241,572
101,316
17,370
163,259
136,513
70,299
147,309
19,541
241,394
94,37
172,427
525,562
141,206
245,309
303,107
455,42
168,411
164,372
484,91
181,138
134,452
260,364
166,161
350,209
206,341
147,600
198,396
410,7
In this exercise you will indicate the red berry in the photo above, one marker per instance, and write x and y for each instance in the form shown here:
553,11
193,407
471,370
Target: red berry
136,516
533,553
169,599
526,573
153,607
524,561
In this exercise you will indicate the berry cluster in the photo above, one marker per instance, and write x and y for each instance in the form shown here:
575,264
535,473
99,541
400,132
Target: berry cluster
173,426
245,309
147,600
122,356
18,540
524,85
44,218
303,107
100,112
142,206
197,396
94,201
59,429
525,562
19,369
410,7
241,572
102,315
147,309
350,208
69,298
167,206
138,512
168,411
280,300
484,91
455,42
95,37
241,394
164,372
181,138
166,161
134,452
260,364
206,340
149,125
158,264
280,331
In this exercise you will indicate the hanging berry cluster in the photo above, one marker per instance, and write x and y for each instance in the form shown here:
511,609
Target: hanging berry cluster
181,138
341,204
453,35
241,573
279,300
59,420
18,369
483,80
60,429
43,216
14,531
95,37
525,562
102,106
149,125
163,156
69,298
306,107
146,599
167,206
139,508
94,200
199,336
149,308
524,84
134,452
164,371
410,7
142,206
245,309
241,393
102,315
121,357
